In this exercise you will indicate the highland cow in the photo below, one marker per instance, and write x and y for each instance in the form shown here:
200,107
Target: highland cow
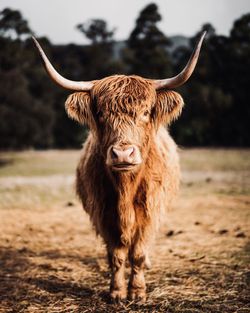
129,169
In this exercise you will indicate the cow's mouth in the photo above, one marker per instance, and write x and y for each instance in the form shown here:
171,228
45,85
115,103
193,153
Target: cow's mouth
123,166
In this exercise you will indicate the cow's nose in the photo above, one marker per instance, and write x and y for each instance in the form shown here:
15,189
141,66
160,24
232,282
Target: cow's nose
123,158
123,155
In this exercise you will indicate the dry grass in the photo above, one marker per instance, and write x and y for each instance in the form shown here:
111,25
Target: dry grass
51,261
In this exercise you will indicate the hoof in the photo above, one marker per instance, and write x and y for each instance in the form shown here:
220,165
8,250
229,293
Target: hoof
137,294
118,296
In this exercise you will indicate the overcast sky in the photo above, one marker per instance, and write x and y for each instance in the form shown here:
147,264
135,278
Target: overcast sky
57,19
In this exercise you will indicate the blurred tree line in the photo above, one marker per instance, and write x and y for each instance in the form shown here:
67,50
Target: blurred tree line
217,111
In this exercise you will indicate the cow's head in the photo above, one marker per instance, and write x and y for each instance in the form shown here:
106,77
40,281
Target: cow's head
124,112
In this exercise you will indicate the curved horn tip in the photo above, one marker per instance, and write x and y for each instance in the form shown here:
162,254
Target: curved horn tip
35,41
184,75
202,36
200,41
58,78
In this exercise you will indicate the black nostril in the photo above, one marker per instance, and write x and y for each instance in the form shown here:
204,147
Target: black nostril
113,154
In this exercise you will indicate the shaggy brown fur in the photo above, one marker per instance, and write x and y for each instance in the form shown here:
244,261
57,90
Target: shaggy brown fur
125,206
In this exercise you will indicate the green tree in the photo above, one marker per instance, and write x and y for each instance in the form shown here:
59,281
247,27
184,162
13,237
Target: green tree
97,31
25,121
146,53
26,118
208,104
237,79
99,60
13,24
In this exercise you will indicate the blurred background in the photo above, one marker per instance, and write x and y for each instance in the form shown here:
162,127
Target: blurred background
88,41
50,258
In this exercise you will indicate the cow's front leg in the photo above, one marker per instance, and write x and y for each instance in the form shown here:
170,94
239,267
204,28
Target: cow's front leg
137,285
117,260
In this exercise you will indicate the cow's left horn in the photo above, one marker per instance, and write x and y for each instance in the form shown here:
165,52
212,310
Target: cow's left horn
59,79
183,76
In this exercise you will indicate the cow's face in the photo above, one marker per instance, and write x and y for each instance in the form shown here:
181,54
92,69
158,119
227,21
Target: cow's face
124,112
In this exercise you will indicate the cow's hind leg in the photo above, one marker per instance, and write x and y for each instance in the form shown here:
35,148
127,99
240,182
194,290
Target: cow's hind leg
117,259
137,285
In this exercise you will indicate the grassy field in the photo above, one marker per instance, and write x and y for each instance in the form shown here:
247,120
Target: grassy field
51,261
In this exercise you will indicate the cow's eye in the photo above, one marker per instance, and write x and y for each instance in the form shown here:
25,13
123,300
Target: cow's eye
145,116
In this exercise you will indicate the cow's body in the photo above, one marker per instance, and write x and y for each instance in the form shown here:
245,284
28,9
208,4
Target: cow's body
125,205
125,210
136,212
129,170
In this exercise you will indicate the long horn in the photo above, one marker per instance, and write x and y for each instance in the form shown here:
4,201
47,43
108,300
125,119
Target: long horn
184,75
59,79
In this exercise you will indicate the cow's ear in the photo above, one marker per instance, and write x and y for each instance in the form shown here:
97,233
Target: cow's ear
77,106
168,106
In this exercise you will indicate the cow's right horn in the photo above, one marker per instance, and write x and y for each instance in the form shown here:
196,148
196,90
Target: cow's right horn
59,79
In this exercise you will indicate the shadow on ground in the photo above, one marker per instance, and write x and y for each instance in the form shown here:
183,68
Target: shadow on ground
31,282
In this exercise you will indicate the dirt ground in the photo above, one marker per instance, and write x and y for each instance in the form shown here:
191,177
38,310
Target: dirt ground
51,260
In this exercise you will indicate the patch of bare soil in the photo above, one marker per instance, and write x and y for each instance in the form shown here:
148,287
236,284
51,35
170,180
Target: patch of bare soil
51,260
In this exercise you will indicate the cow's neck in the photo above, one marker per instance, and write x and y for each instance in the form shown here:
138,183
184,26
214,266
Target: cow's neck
126,186
126,183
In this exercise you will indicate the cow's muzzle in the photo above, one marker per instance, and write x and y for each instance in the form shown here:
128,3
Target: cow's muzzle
123,158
